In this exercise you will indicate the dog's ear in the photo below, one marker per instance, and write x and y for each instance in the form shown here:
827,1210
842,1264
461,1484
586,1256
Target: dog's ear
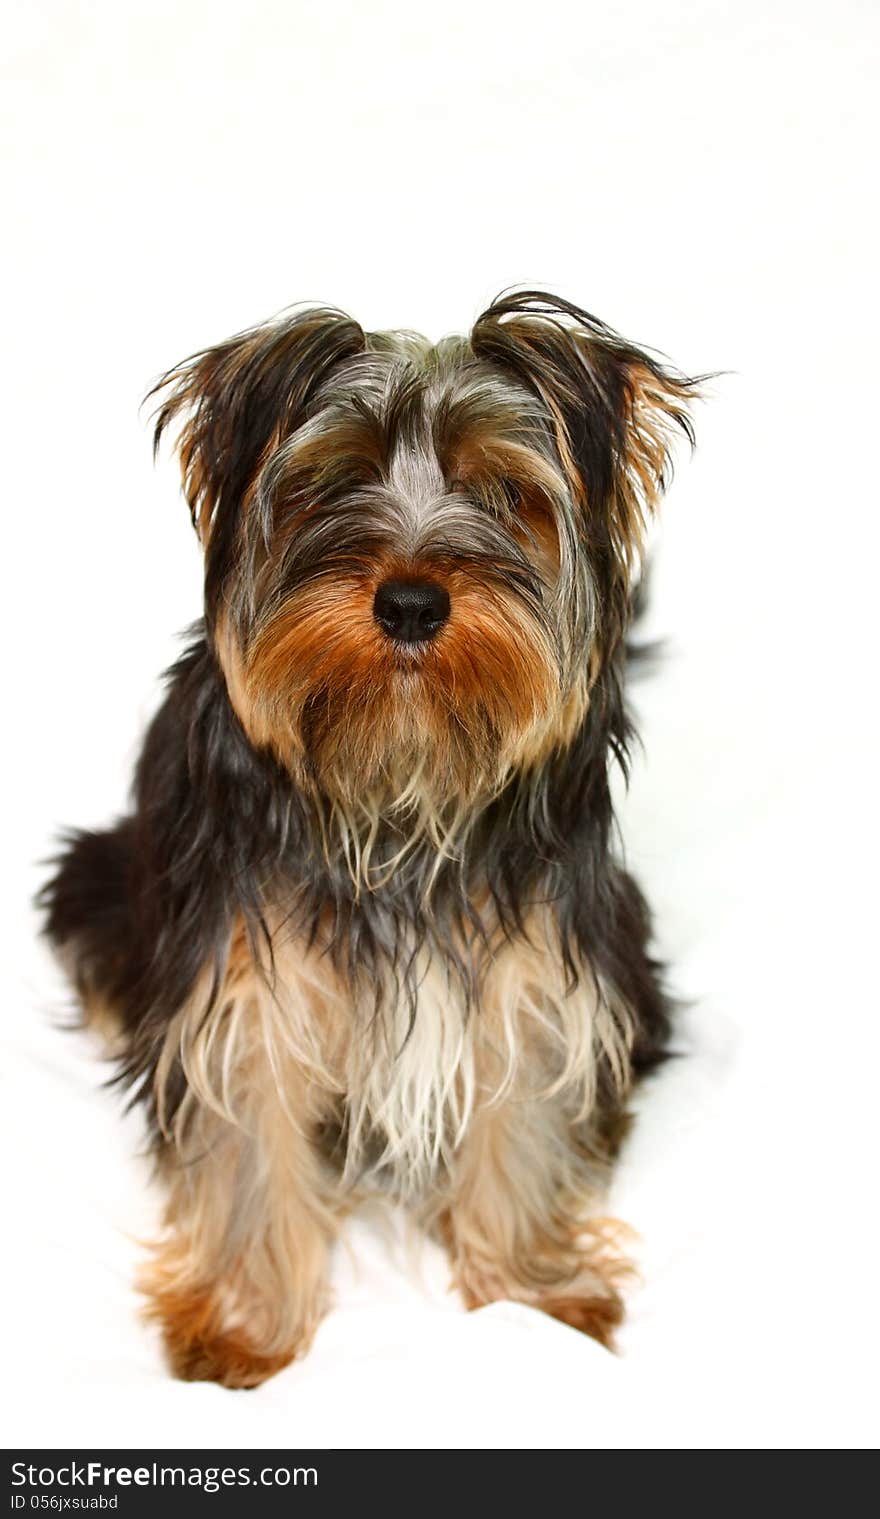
236,399
614,409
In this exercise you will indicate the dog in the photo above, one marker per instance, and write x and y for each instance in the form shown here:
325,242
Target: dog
365,926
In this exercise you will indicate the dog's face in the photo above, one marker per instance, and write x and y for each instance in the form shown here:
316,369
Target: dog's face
419,558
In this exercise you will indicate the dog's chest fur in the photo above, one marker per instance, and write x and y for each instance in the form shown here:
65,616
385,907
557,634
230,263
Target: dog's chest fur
396,1080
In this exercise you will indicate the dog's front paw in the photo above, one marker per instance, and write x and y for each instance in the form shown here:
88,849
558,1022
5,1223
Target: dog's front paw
226,1358
202,1347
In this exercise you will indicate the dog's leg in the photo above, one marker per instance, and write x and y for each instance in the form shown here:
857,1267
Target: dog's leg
519,1222
239,1282
238,1285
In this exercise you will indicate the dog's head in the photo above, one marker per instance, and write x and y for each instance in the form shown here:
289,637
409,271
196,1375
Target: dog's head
419,557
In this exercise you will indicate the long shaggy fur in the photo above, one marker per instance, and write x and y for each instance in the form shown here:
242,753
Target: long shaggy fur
364,924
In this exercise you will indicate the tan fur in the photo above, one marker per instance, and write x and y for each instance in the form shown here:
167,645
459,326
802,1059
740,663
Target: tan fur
487,672
517,1220
375,763
238,1282
456,1108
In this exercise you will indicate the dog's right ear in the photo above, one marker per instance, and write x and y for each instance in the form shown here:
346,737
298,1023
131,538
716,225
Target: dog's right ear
238,399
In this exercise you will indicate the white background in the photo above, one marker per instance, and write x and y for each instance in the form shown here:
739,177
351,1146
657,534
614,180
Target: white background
702,175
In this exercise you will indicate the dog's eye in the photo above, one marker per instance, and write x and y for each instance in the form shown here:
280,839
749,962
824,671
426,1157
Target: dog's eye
501,496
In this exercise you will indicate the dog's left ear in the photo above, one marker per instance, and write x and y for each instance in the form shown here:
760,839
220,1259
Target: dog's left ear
615,410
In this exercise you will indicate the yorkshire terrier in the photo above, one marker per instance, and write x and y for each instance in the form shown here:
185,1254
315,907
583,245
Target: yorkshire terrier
365,925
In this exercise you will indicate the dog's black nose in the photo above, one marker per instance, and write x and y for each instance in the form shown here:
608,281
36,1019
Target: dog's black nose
411,611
